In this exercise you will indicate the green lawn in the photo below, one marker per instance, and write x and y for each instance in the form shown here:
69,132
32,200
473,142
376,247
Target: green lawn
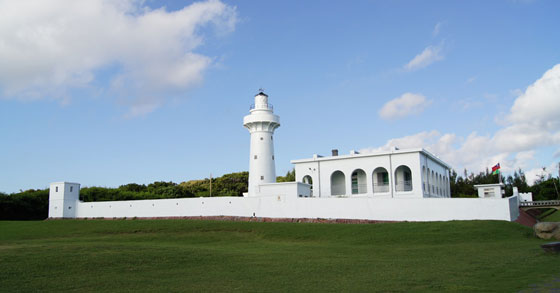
183,255
554,217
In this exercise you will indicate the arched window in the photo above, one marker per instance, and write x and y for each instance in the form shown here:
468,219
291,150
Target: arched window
359,182
307,180
437,184
403,178
424,179
429,181
433,182
338,183
380,180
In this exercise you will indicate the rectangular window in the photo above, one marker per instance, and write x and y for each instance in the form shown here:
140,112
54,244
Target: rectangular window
273,157
354,180
262,177
71,187
56,189
255,157
488,192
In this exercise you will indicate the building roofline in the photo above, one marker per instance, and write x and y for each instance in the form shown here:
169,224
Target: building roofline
282,183
64,182
383,153
436,158
489,185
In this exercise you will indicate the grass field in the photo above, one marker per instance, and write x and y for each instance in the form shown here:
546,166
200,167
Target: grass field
554,217
183,255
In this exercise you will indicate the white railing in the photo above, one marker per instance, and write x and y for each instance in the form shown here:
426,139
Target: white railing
338,190
539,203
404,185
359,188
262,106
380,187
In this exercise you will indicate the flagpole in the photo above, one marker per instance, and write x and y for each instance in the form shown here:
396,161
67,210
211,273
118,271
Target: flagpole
499,177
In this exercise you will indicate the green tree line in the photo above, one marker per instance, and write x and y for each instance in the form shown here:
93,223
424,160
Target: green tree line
34,204
234,184
544,188
25,205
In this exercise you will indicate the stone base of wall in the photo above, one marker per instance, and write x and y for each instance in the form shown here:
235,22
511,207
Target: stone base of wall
247,219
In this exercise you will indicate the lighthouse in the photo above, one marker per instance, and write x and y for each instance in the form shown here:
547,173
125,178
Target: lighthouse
261,123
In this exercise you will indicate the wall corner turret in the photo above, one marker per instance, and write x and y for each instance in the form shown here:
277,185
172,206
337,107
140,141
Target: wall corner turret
63,199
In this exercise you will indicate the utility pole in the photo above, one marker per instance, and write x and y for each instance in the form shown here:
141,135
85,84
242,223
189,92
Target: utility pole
556,188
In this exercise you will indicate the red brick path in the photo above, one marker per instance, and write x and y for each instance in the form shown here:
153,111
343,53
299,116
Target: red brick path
525,219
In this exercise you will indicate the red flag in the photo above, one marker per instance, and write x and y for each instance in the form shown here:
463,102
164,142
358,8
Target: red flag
496,168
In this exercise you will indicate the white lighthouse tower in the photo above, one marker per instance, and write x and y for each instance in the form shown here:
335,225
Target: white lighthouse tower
261,123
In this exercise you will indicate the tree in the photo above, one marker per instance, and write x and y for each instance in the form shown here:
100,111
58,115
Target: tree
461,187
26,205
133,187
290,177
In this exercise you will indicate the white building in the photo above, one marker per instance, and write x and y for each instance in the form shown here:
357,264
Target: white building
490,190
412,173
398,185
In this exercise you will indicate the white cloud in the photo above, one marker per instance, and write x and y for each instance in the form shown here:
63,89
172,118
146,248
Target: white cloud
437,29
473,152
532,175
49,47
540,103
430,55
532,122
412,141
405,105
534,118
523,159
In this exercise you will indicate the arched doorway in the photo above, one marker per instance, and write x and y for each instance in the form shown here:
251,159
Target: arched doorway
359,182
380,180
338,183
403,179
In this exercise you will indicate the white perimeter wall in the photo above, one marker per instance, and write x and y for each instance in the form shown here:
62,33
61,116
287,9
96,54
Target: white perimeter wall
283,206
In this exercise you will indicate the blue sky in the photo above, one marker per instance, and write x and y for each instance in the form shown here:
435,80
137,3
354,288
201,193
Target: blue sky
106,93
